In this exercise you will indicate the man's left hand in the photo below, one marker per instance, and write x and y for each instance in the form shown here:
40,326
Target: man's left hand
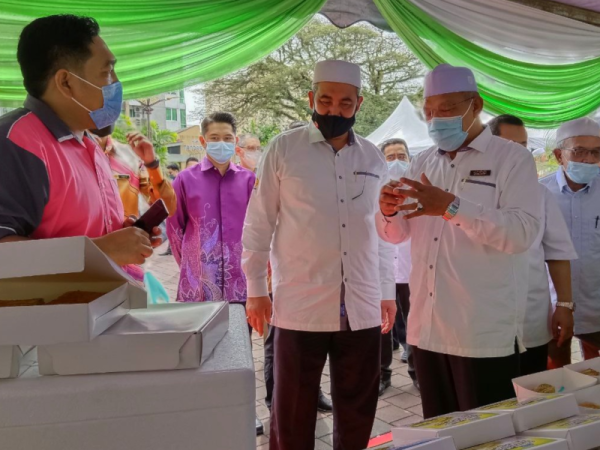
155,239
430,200
388,315
562,325
142,147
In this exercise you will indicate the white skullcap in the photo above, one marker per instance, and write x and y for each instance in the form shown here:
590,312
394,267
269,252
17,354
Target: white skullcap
578,127
446,79
336,71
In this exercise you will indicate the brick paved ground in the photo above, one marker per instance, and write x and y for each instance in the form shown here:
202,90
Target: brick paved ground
401,404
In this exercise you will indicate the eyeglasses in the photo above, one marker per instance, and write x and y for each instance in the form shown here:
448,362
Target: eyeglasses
581,153
444,110
252,149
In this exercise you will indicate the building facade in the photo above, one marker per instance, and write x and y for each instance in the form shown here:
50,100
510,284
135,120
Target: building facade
168,110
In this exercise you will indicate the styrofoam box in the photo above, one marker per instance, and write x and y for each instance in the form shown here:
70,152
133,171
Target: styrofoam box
466,428
589,364
445,443
591,395
46,269
10,357
162,337
536,411
581,432
564,381
522,442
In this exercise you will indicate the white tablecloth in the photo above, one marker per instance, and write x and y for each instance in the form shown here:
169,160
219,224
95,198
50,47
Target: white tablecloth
209,408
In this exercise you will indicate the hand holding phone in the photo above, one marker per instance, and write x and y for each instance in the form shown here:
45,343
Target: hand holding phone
156,215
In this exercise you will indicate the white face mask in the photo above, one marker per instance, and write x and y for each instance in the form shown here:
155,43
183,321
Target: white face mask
397,169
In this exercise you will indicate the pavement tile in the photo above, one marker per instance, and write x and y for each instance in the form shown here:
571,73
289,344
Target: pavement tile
392,413
404,400
324,427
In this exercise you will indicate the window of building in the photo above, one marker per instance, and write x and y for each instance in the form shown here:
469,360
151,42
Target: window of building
183,119
171,114
132,112
181,96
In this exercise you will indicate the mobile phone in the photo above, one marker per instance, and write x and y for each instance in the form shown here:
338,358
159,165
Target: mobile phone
153,217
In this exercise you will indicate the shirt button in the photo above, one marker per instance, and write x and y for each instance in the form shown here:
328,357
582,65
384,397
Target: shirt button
343,225
345,280
431,267
342,200
446,190
340,177
435,239
458,224
345,253
452,165
431,294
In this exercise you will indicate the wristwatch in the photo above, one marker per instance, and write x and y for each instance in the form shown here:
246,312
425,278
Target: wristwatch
154,164
569,305
452,209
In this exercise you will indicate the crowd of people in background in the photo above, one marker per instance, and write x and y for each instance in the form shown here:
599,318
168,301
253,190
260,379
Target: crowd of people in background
340,251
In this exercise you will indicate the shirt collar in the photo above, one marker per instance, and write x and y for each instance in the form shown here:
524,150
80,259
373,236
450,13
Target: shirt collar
206,164
314,135
480,143
561,179
57,127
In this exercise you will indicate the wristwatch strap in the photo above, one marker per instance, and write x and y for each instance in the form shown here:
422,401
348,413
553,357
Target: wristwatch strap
452,209
154,164
569,305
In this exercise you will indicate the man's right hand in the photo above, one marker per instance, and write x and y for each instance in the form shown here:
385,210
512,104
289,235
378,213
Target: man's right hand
388,200
258,311
129,245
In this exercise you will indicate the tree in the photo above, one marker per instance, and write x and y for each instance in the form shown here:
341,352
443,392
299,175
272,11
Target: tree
160,140
122,127
273,91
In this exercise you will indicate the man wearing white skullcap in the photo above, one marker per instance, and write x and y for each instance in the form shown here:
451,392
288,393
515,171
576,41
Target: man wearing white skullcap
576,187
471,212
312,214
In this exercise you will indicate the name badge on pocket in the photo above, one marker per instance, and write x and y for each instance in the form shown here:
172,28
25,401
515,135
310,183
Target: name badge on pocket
480,173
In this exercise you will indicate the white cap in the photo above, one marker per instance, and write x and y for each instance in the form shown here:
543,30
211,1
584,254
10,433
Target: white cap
578,127
336,71
446,79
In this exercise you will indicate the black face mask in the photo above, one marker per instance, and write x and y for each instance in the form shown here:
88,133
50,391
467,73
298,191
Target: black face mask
332,126
103,132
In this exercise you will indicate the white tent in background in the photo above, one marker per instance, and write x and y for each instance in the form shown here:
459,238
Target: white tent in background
404,123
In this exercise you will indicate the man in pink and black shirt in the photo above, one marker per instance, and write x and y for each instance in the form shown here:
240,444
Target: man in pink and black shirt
54,179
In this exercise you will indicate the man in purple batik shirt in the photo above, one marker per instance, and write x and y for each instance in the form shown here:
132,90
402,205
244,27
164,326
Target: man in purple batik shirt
206,231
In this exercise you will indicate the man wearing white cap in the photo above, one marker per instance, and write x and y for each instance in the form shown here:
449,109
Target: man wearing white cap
576,186
312,213
472,213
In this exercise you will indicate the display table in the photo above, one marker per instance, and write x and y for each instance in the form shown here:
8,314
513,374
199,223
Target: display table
210,408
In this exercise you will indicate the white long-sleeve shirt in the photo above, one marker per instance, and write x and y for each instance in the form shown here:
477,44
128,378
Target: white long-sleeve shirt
312,213
465,294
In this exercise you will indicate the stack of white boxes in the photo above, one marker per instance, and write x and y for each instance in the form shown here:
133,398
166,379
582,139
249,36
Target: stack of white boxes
116,332
532,420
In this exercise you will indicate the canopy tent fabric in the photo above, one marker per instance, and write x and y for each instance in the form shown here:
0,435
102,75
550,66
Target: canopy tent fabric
544,77
404,123
163,45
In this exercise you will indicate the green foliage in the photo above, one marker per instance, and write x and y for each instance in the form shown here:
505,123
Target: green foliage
122,127
265,132
273,92
160,140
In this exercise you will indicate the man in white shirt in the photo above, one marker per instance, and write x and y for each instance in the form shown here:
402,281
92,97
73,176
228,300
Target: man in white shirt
576,187
397,157
312,213
472,213
553,247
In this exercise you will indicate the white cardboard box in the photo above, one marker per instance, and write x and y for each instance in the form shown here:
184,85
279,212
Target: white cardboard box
581,432
466,428
592,395
524,442
589,364
536,411
50,267
10,358
445,443
564,381
162,337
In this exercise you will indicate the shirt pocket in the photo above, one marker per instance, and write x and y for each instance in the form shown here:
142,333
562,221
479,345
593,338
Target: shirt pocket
363,190
594,224
479,191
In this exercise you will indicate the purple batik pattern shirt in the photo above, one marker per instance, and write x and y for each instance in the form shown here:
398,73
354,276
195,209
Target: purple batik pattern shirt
206,232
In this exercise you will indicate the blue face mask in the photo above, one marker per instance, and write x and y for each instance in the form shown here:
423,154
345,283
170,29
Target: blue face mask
447,132
220,151
582,173
397,169
111,109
